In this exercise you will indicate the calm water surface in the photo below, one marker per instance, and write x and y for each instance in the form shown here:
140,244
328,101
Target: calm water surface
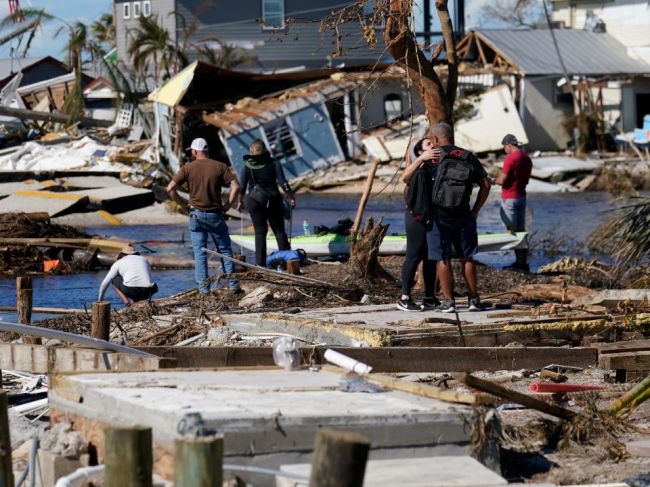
560,223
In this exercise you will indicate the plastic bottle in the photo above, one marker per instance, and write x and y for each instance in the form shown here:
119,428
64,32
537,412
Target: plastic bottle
305,228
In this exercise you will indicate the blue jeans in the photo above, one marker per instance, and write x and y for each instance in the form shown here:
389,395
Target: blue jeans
201,225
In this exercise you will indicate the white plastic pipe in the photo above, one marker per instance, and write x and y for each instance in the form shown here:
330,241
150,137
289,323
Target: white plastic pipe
30,406
81,477
346,362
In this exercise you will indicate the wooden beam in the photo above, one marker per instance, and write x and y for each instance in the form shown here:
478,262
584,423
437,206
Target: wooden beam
40,359
481,53
619,347
46,309
516,397
391,359
51,117
432,392
625,361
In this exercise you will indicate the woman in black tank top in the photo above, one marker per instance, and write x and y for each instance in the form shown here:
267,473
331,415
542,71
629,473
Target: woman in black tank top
261,176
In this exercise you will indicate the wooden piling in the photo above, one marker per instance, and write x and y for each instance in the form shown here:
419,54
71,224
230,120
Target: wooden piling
128,457
241,258
293,266
101,320
364,197
24,301
339,459
6,470
198,461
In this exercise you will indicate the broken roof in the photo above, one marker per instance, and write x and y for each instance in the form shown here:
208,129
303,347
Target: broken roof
583,52
9,67
249,113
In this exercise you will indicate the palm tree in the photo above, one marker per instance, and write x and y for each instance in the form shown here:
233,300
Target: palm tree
153,51
78,42
33,20
103,33
226,56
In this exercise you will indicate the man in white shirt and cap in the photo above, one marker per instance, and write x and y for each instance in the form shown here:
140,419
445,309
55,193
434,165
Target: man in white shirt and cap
130,277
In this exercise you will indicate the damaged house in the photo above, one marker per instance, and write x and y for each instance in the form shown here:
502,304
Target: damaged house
602,73
308,119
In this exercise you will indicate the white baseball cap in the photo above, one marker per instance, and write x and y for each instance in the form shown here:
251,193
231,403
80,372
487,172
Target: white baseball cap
199,144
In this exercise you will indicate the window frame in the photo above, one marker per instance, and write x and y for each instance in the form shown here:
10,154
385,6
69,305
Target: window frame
393,97
137,10
283,25
146,8
268,129
126,10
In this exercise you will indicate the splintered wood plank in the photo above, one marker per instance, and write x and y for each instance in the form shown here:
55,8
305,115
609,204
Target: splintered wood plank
626,346
625,361
516,397
391,359
432,392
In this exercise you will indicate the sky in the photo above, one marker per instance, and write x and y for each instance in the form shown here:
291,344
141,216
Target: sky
89,10
69,10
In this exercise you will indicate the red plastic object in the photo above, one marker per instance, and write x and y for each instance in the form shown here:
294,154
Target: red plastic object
550,387
51,265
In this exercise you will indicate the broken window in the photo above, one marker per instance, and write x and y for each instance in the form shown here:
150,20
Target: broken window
563,96
136,10
273,14
392,106
146,8
281,140
126,10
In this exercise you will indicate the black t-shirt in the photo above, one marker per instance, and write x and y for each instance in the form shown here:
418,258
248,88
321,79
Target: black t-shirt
477,172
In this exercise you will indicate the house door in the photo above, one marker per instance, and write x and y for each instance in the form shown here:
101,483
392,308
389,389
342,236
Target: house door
642,108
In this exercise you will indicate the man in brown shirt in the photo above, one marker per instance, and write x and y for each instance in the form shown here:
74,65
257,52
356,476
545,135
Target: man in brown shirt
205,178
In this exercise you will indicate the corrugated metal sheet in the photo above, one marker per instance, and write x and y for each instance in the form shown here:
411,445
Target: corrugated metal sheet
583,52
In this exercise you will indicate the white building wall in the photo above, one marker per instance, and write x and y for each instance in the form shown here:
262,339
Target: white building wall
627,20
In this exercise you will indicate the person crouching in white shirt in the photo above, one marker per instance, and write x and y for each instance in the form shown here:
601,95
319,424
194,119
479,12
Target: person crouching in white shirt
131,278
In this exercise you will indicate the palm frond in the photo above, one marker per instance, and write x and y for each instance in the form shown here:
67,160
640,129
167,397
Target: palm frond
26,14
627,236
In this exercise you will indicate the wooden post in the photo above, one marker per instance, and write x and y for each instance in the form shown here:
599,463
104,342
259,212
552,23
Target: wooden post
239,267
293,266
339,459
24,299
128,457
198,461
6,470
364,198
101,324
514,396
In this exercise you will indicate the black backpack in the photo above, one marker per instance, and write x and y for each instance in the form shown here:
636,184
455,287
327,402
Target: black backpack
418,197
453,187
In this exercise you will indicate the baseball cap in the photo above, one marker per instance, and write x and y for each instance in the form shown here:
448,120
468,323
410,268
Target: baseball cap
510,139
128,250
199,144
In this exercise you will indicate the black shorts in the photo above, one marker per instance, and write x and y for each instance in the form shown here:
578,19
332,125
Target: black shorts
452,236
134,293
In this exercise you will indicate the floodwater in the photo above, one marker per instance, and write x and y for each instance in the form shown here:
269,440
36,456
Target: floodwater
560,224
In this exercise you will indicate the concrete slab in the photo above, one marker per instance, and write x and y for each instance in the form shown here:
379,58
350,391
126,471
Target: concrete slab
90,182
442,471
384,325
117,199
554,166
7,189
268,416
52,203
611,298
